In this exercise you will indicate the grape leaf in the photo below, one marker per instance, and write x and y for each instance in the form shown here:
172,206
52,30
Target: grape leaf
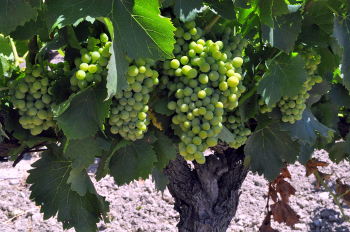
33,27
224,8
15,13
132,162
83,114
5,46
339,95
49,189
269,148
342,34
165,150
304,130
226,135
305,153
265,12
187,10
103,167
160,106
285,76
142,21
4,65
65,12
117,66
82,152
160,179
285,33
340,151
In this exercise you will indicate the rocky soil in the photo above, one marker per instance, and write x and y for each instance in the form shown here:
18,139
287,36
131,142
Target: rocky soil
138,207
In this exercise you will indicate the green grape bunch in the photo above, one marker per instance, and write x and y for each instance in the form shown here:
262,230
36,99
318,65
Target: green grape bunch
91,66
31,96
237,126
292,108
205,83
129,111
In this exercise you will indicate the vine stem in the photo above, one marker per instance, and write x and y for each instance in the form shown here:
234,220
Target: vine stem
15,53
247,95
212,23
334,196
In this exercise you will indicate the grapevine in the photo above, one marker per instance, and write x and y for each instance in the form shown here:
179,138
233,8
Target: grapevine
192,93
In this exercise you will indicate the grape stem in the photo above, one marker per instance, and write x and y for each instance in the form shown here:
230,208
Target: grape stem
15,53
334,196
212,23
246,96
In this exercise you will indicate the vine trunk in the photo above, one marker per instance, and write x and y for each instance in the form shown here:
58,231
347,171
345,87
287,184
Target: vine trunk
207,196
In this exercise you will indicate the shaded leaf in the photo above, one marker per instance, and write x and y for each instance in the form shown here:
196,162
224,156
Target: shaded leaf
225,8
83,114
49,189
285,76
285,32
269,148
132,162
187,10
15,13
226,135
165,150
304,130
160,179
342,34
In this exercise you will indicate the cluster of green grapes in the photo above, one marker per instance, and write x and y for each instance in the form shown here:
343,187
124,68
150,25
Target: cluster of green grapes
236,125
234,43
129,108
205,83
188,32
91,66
31,97
265,108
292,108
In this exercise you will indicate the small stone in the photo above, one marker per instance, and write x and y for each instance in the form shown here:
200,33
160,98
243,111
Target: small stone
318,222
324,196
14,182
300,226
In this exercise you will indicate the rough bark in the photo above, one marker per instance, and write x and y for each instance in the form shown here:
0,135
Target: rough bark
206,196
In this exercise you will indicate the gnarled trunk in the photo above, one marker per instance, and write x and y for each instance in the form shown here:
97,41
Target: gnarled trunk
207,196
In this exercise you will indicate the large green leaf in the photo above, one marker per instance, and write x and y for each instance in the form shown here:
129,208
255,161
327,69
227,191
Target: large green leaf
305,130
15,13
269,148
265,12
340,150
132,162
224,8
160,179
187,10
165,150
342,34
339,95
64,12
285,32
117,66
5,46
143,32
285,76
83,114
50,191
82,152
